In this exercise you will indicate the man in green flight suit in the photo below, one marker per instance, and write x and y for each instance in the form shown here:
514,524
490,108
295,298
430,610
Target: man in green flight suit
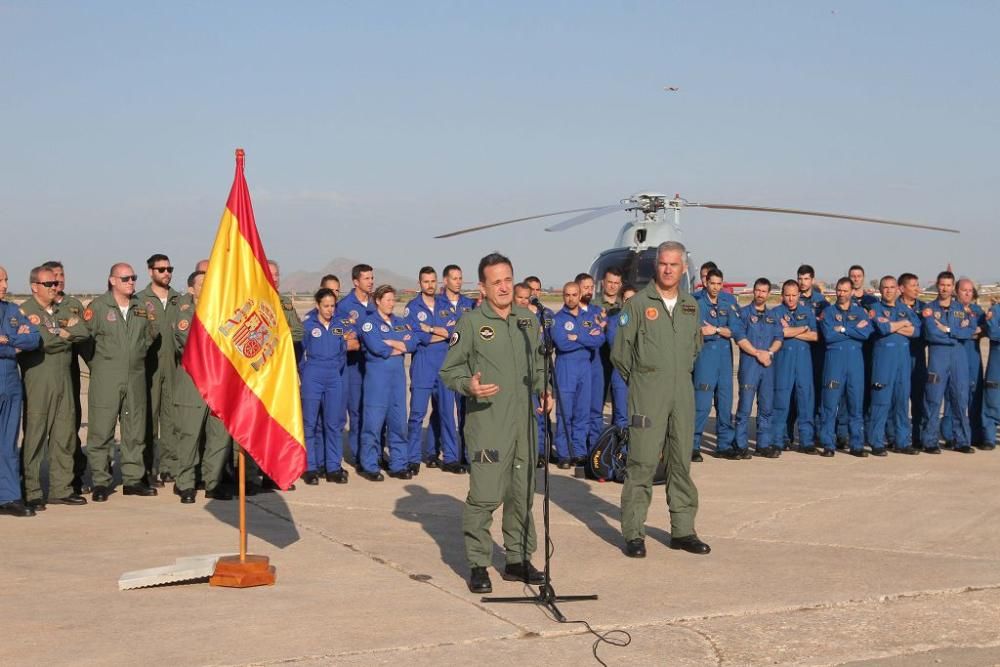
50,413
495,360
192,418
122,330
658,339
160,298
70,306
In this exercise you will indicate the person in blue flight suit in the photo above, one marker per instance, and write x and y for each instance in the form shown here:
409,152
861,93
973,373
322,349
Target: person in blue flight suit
16,333
352,310
386,338
946,326
793,368
811,295
844,327
324,355
965,295
619,390
893,328
452,304
576,338
526,295
864,298
991,388
432,332
330,282
909,297
595,315
713,369
758,335
703,277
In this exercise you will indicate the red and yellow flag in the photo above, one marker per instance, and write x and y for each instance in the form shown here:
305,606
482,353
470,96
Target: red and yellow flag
239,351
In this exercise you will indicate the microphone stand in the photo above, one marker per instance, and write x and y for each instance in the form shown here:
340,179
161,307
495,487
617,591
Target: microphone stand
546,595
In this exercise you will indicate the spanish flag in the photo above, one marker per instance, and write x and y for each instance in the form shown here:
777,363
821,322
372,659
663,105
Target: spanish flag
239,350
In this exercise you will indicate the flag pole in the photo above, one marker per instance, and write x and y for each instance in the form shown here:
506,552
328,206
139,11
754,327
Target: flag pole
243,506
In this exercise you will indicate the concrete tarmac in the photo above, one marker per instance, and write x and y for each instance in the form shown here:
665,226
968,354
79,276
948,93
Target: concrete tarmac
892,561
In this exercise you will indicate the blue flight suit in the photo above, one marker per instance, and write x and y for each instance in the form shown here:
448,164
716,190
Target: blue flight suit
713,371
351,312
426,387
321,371
21,335
451,312
918,372
548,318
761,328
867,302
597,316
385,393
818,303
843,372
574,379
974,356
991,391
947,370
793,372
890,381
619,390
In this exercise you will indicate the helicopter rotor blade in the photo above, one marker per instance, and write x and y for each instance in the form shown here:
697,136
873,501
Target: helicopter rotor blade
819,214
477,228
586,217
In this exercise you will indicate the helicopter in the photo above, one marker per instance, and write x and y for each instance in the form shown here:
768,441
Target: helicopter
654,219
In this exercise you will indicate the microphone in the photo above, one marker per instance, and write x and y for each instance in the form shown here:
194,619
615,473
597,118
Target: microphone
534,301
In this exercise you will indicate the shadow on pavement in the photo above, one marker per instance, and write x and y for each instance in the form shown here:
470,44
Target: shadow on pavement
268,518
603,518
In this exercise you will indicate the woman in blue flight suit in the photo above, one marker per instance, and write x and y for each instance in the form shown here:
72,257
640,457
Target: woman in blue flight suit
386,338
324,353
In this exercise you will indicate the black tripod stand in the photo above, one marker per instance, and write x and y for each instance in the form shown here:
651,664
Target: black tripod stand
546,595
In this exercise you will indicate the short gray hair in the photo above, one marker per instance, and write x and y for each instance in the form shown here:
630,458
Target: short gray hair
670,246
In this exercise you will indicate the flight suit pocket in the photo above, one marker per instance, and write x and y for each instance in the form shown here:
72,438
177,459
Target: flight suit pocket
933,378
486,456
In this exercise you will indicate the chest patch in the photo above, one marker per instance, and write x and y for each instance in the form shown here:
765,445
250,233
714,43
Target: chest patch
568,326
112,316
652,314
354,315
486,333
384,328
317,332
523,323
688,309
422,316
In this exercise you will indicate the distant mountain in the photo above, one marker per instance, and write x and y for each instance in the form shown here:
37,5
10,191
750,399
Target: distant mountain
308,281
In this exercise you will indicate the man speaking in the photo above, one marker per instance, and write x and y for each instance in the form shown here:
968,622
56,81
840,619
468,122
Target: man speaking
495,360
658,339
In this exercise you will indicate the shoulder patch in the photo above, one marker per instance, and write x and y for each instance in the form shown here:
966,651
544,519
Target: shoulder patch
88,315
182,325
453,341
366,327
623,319
926,312
34,319
185,306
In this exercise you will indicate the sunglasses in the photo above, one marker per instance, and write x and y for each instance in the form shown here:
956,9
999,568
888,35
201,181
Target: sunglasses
47,283
127,279
163,269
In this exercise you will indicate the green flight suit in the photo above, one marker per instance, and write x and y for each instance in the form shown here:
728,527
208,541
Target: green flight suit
191,417
501,431
49,412
161,365
655,352
71,307
117,386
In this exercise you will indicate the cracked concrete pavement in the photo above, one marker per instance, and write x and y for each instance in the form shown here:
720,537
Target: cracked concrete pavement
815,561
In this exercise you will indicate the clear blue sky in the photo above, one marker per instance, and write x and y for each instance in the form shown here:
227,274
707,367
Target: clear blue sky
370,127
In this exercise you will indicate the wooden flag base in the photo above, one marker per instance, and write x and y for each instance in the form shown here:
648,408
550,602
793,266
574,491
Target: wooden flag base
232,572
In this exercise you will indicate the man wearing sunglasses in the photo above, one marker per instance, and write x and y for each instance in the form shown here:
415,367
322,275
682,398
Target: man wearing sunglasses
123,331
50,413
73,307
160,299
